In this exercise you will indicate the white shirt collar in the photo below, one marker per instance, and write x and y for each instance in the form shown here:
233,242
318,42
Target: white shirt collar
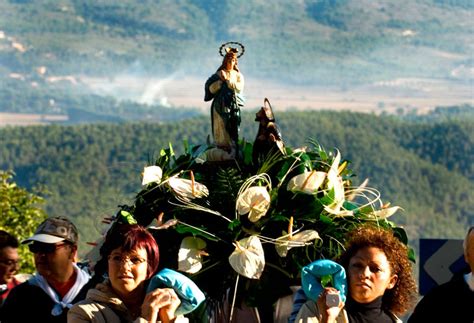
469,278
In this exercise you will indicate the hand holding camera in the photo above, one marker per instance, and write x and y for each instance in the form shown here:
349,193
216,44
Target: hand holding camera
333,300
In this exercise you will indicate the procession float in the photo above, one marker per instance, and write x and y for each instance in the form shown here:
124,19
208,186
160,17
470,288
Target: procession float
242,218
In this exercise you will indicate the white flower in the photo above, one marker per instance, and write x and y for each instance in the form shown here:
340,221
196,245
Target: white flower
248,258
384,213
188,189
190,255
307,182
335,183
300,239
355,192
300,150
337,211
255,201
152,174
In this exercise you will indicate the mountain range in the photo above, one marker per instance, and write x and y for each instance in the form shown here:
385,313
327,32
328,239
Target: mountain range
84,46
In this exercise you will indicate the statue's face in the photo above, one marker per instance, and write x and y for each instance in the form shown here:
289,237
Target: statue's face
230,63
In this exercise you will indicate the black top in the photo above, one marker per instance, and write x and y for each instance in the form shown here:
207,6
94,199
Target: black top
27,303
449,302
368,312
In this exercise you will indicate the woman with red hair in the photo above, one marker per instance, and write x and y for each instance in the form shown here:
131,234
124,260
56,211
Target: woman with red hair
132,258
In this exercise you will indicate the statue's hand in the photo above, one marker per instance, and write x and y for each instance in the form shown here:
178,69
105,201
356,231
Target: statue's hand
224,75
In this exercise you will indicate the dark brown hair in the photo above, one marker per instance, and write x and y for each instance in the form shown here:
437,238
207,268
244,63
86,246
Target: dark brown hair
7,240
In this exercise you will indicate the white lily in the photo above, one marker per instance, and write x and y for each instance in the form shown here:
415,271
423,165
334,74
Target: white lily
300,150
248,258
152,174
338,211
307,182
188,189
355,192
384,213
190,255
300,239
255,201
335,183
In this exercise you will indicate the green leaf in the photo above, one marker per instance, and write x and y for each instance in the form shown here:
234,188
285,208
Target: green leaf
279,217
412,255
328,198
186,146
401,234
198,150
349,205
307,161
171,149
365,210
234,224
327,281
325,219
247,150
184,229
284,170
127,217
320,150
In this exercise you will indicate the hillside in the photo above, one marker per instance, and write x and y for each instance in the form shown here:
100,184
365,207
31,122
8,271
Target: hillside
91,169
98,36
129,50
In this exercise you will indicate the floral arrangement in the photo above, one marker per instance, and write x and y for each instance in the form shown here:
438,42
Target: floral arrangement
248,225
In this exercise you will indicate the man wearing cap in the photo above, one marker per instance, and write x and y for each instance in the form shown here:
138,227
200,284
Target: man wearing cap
58,282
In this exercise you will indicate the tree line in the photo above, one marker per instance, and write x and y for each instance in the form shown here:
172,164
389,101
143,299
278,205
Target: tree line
423,166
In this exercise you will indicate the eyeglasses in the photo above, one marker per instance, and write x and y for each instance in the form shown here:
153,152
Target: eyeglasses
119,259
38,247
9,263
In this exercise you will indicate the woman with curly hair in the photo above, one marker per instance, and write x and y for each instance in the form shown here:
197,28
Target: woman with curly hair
380,281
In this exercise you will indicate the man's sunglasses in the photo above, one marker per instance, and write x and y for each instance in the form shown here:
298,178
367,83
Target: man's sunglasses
37,247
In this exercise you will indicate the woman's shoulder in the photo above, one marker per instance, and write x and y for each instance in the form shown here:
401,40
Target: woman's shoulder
395,318
95,301
87,305
309,313
84,311
98,305
103,293
99,297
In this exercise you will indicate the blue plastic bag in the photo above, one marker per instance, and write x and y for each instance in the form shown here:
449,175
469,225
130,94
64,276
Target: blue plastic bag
311,278
188,292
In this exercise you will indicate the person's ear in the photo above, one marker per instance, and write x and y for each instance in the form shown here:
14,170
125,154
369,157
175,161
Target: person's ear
392,282
74,253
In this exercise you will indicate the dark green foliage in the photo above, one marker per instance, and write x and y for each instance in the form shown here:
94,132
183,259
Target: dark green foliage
20,214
